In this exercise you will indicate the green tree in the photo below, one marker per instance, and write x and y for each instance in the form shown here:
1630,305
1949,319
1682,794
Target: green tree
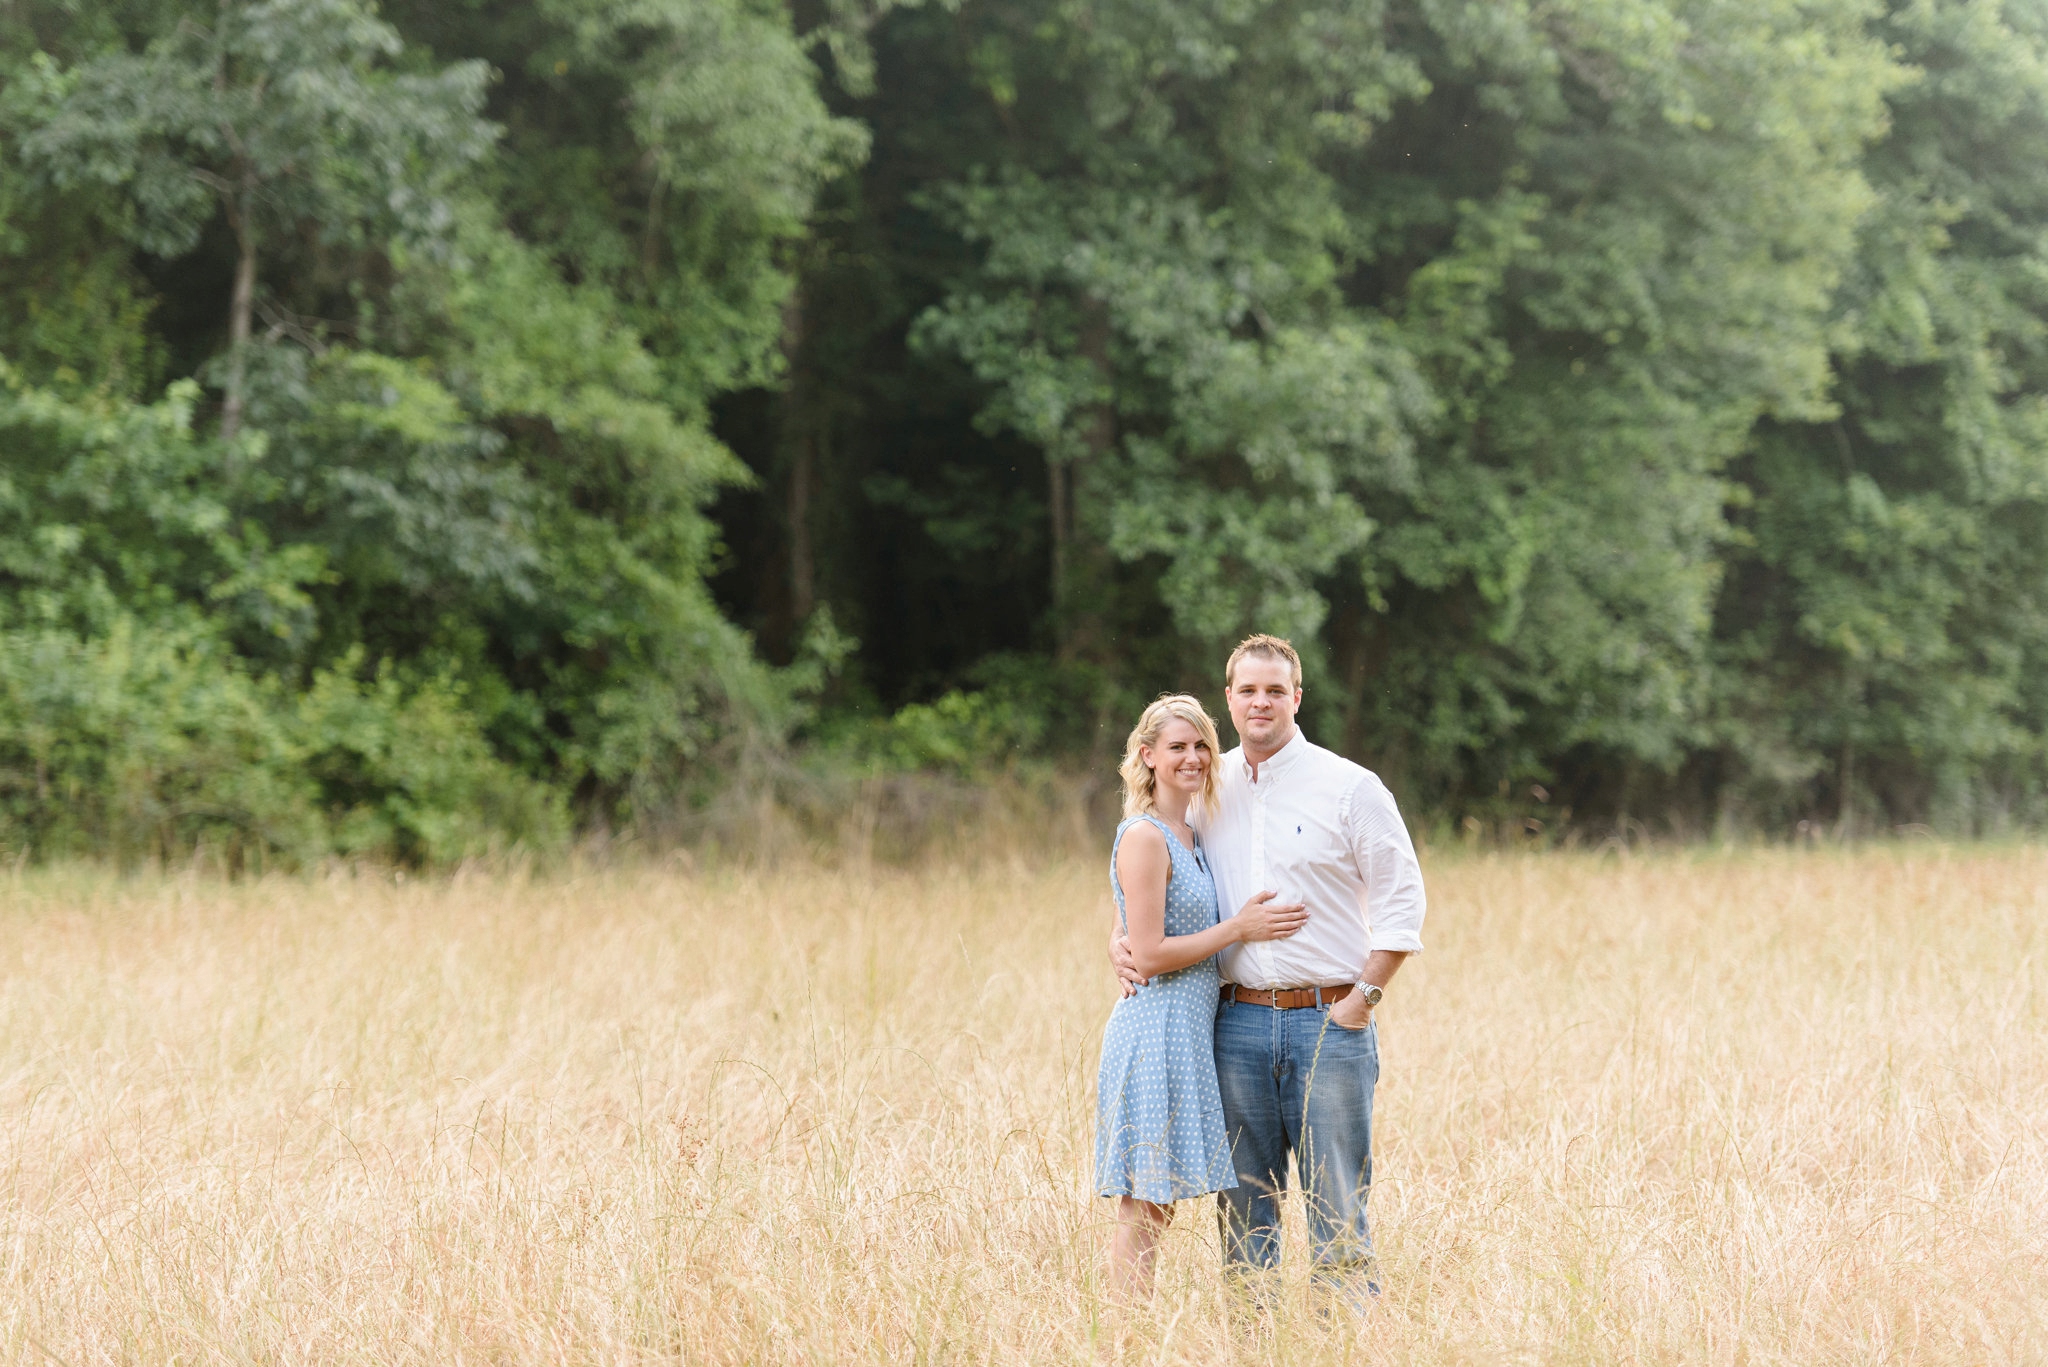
1638,214
282,117
476,428
1447,317
1885,628
131,717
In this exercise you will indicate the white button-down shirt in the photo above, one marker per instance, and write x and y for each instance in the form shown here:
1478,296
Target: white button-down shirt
1323,831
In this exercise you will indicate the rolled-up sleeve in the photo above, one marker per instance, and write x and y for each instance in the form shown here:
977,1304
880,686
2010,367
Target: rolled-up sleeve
1394,900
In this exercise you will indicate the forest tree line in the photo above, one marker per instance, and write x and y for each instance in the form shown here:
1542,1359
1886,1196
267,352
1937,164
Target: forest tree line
425,426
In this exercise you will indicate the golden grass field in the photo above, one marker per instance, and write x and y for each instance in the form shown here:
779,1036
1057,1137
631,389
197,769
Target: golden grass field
1769,1107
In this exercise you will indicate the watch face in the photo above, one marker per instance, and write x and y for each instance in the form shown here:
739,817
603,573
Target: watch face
1373,995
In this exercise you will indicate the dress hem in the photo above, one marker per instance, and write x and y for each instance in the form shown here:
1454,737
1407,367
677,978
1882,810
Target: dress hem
1102,1195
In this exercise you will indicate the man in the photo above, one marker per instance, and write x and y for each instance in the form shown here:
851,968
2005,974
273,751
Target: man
1297,1055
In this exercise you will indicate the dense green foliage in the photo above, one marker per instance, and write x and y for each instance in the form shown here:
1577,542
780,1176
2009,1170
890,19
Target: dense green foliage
434,426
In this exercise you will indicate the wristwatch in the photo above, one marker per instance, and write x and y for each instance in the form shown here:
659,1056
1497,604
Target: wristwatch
1372,992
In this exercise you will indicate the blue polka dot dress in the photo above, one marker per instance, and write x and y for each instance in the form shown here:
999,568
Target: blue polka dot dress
1158,1117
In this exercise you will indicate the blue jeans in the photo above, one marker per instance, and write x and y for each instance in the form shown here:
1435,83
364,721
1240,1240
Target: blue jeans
1294,1083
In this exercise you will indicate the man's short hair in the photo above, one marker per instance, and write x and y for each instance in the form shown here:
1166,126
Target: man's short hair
1266,648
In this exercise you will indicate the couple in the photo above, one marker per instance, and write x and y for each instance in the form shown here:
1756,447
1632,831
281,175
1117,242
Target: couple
1242,1040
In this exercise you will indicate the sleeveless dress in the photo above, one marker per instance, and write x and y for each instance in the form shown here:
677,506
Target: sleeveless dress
1158,1116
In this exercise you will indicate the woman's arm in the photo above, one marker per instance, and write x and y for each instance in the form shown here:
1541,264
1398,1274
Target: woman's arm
1143,869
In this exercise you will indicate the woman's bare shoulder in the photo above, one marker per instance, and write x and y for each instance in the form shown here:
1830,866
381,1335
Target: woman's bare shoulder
1141,838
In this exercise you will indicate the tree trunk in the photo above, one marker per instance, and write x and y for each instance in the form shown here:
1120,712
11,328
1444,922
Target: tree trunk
1351,630
799,439
1845,800
802,576
1077,572
650,237
1056,503
240,304
1845,772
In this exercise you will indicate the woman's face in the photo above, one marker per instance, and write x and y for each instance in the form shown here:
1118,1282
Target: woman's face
1179,758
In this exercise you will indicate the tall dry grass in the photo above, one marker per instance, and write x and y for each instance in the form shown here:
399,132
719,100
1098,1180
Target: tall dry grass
1765,1108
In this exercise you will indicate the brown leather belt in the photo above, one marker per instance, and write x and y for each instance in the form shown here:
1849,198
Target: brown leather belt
1285,998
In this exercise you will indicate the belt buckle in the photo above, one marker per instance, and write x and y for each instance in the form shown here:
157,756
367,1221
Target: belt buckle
1274,994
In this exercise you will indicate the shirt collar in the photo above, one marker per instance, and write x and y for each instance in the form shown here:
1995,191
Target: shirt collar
1281,761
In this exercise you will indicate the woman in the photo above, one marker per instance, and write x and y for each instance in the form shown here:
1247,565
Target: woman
1159,1120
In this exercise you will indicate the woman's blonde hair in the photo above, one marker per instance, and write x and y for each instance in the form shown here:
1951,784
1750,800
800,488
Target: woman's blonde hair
1141,785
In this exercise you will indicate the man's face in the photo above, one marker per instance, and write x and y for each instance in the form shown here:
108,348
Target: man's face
1263,701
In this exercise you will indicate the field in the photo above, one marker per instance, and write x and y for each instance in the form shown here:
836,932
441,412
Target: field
1772,1107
